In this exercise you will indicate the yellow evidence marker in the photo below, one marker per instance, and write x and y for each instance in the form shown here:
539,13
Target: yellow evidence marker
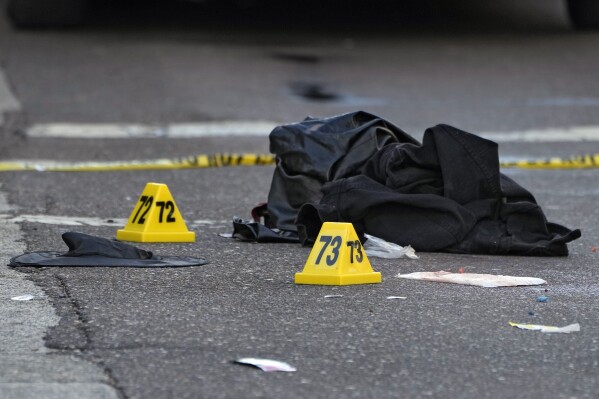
156,218
337,258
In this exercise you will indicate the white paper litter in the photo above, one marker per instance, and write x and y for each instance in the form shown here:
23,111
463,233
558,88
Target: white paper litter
548,329
377,247
26,297
333,296
267,365
397,297
481,280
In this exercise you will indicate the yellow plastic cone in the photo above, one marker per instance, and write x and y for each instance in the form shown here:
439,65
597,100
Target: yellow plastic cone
156,218
337,258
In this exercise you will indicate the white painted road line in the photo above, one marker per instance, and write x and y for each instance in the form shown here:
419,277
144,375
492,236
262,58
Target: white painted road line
263,128
93,221
8,102
575,133
65,220
175,130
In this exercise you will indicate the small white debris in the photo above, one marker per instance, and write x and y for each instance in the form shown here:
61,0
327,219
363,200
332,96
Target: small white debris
481,280
266,365
548,329
26,297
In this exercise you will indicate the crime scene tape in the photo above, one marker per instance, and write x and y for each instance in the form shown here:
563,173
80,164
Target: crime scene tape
576,162
191,162
248,159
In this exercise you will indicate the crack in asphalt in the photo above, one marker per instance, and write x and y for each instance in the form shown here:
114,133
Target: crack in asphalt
82,325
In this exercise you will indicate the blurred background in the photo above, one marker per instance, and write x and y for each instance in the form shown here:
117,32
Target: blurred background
501,66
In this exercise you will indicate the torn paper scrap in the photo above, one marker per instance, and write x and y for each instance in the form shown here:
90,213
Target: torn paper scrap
380,248
481,280
26,297
396,297
548,329
267,365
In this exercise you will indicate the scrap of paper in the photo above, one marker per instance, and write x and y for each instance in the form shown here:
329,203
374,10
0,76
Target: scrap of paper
548,329
377,247
26,297
267,365
481,280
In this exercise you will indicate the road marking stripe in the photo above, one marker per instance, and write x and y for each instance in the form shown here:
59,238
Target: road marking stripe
175,130
93,221
263,128
574,133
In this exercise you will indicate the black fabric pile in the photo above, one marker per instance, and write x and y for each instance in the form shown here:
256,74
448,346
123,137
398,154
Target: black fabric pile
88,250
446,194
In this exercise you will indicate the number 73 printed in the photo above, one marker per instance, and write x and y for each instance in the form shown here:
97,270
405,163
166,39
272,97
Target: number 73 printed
330,250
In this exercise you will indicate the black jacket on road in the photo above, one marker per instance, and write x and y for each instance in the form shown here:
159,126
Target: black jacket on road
446,194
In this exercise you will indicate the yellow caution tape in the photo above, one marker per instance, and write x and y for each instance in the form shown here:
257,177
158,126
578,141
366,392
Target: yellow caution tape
197,161
576,162
248,159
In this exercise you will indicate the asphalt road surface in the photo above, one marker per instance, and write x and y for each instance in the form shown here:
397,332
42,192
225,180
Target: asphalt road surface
225,75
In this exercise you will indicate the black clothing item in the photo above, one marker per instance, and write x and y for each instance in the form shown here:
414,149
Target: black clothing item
315,151
87,250
87,245
444,195
246,230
